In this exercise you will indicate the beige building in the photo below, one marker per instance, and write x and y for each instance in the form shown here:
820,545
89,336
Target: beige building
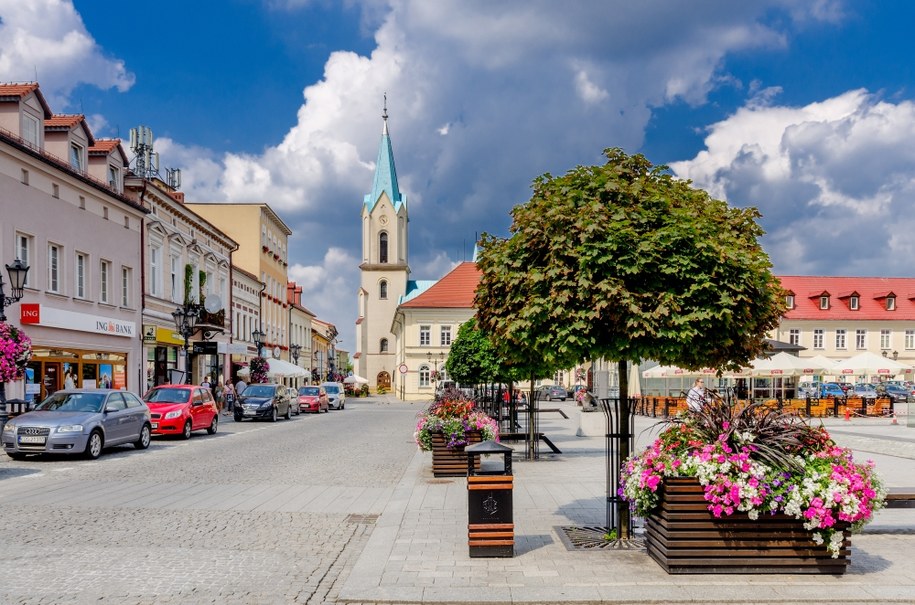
300,324
65,215
245,305
262,251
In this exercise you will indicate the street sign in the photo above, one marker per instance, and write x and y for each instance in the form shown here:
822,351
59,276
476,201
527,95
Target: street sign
206,347
403,368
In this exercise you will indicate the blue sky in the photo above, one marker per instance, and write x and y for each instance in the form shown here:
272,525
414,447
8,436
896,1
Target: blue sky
802,109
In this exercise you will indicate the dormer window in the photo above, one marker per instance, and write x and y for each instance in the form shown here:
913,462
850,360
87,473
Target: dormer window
854,303
890,303
824,302
76,157
789,301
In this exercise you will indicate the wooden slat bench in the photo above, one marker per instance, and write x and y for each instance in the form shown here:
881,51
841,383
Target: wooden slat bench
901,497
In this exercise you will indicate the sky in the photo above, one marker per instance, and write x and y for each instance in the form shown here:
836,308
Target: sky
804,110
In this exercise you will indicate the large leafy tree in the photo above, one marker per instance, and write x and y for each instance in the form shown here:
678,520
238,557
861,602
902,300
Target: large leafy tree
623,261
471,358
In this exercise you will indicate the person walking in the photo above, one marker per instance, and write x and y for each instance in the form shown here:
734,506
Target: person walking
219,395
697,396
240,387
229,396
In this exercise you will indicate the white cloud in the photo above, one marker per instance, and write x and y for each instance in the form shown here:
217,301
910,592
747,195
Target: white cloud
833,179
48,40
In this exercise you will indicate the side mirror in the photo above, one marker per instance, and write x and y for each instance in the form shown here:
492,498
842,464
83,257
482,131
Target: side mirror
111,408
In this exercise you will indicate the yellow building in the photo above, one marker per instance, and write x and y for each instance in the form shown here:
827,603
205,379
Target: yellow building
262,251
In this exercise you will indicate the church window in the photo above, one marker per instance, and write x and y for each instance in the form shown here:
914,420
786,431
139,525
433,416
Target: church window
383,345
382,247
383,290
425,376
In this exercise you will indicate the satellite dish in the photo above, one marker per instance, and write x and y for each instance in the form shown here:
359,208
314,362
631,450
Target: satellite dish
212,303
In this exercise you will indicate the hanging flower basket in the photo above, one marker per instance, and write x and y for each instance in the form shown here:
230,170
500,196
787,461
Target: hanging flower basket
15,352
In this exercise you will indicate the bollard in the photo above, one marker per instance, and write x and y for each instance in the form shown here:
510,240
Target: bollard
490,519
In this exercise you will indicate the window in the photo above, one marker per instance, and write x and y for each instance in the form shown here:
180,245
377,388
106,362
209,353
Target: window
860,339
82,203
125,287
910,339
446,336
81,263
114,178
424,375
424,336
884,339
30,131
176,282
794,336
853,303
890,303
383,290
54,268
24,177
818,338
155,270
383,346
55,191
824,302
789,301
126,222
76,157
24,251
840,339
105,212
104,281
382,247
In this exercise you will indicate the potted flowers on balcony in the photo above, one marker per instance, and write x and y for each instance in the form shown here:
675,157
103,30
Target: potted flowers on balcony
447,426
749,489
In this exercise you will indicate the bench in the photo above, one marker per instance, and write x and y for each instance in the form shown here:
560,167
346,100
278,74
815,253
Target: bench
524,436
901,497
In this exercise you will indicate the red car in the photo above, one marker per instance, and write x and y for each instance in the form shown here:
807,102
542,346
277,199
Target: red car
180,409
313,399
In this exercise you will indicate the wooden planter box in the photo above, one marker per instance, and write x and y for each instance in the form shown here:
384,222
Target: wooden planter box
684,537
452,462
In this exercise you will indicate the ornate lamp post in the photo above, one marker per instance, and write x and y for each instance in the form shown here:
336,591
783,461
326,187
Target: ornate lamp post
18,271
436,360
258,337
186,317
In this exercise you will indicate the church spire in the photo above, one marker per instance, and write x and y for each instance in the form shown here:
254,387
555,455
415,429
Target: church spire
385,174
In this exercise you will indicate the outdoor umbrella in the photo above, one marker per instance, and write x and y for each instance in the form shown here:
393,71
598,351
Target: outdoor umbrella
869,364
277,368
354,379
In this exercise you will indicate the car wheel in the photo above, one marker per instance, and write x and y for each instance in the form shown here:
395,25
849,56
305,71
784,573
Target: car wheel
211,430
288,413
16,455
94,445
145,435
186,431
273,414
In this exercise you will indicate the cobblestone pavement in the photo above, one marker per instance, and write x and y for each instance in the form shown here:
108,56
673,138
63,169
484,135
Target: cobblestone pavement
258,513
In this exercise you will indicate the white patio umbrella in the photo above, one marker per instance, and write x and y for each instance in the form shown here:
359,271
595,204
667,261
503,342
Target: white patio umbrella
785,364
355,379
869,364
277,368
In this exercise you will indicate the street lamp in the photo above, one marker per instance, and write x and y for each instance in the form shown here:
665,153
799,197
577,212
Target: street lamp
436,360
258,337
186,317
18,271
895,355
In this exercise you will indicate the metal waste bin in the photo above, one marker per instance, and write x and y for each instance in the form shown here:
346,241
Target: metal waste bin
490,521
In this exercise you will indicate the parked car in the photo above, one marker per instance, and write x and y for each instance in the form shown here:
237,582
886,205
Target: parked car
79,421
313,399
831,389
265,401
808,389
864,391
180,409
898,392
336,395
294,399
551,393
846,387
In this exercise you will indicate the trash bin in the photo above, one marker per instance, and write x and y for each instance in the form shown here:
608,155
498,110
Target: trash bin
490,521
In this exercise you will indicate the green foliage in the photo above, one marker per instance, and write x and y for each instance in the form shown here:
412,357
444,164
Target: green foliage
188,280
472,359
624,262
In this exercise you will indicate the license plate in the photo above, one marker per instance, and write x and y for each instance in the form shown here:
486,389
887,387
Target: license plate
32,439
250,413
155,425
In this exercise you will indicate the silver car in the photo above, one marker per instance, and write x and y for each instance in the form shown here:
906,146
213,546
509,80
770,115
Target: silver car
79,421
336,395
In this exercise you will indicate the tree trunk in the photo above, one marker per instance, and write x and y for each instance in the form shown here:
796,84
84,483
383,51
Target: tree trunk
622,507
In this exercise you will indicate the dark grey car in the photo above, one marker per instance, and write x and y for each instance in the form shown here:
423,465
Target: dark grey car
263,401
79,421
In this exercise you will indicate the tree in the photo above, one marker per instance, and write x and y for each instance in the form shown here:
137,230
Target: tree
622,261
471,359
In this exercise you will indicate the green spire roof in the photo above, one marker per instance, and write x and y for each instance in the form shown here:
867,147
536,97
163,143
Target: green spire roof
385,174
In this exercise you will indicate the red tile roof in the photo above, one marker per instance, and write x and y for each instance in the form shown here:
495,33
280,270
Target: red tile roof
63,121
104,146
872,293
20,91
454,291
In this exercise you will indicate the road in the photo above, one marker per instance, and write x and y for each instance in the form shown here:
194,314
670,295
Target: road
258,513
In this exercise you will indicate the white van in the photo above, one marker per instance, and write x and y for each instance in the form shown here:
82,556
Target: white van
336,395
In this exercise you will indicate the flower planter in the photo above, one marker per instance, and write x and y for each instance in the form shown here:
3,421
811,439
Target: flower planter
452,462
683,537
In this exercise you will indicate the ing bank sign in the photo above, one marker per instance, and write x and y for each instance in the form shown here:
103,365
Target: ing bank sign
37,314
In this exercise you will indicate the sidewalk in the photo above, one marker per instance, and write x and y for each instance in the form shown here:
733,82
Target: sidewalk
418,551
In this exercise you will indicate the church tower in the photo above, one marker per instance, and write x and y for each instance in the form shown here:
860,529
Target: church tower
384,269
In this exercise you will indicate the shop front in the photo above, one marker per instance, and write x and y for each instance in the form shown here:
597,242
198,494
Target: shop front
78,350
161,349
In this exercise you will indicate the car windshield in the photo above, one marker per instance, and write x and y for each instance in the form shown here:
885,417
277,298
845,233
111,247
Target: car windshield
260,390
332,389
167,395
313,391
73,402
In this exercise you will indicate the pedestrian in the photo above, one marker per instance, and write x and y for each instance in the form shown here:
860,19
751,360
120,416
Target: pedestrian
69,383
219,395
240,387
206,383
229,396
697,396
